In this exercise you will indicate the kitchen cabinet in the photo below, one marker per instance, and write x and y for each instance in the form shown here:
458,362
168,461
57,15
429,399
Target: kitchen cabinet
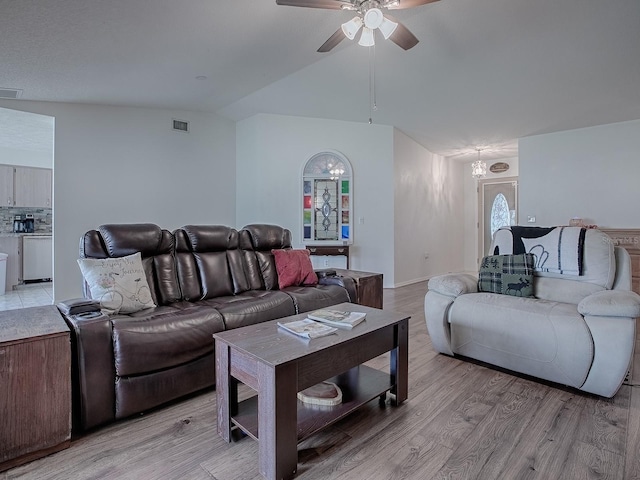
6,186
11,246
33,187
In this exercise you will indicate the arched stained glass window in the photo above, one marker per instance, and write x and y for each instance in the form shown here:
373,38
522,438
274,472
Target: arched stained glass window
500,215
327,194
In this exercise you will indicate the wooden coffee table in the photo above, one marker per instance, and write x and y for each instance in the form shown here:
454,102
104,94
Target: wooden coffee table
278,364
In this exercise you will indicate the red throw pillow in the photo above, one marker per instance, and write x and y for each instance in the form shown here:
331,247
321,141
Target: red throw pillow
294,268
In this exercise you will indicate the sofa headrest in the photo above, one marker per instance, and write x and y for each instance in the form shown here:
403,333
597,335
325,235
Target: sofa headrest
267,237
119,240
211,238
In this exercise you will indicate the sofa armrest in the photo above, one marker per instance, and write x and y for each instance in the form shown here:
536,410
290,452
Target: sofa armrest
453,284
611,303
347,283
75,306
93,369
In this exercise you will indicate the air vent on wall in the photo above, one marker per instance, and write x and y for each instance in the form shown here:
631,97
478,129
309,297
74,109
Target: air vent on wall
180,125
10,93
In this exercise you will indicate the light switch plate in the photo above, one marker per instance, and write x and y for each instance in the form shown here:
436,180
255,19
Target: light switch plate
531,219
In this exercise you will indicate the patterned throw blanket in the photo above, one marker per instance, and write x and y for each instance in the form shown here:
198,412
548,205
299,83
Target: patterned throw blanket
556,249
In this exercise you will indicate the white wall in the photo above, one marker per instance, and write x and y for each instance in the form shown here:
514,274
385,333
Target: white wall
271,152
428,212
471,208
590,173
125,165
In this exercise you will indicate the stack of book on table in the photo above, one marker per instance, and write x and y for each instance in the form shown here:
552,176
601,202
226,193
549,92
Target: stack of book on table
323,322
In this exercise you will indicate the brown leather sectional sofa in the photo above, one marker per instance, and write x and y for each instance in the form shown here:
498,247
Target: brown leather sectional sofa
204,279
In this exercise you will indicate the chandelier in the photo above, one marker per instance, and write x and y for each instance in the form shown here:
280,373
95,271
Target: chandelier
336,173
479,167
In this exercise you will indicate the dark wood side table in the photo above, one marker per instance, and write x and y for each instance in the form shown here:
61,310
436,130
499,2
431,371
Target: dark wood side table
277,365
35,384
330,250
368,286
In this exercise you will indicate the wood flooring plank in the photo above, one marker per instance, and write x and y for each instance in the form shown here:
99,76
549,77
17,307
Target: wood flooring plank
632,448
485,452
543,450
587,462
603,422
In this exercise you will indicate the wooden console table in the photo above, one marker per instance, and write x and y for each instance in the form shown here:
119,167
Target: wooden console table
35,384
629,239
330,250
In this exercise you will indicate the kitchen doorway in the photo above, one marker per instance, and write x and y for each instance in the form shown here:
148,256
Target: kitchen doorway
26,207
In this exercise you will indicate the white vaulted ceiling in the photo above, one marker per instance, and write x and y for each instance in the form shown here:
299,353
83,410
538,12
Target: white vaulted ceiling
484,73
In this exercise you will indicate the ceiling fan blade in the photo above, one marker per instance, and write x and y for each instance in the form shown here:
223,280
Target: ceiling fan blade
402,36
409,4
334,40
328,4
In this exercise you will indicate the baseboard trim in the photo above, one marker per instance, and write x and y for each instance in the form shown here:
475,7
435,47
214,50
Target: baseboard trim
424,279
410,282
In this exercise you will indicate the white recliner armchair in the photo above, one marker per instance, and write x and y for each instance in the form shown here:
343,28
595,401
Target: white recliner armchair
577,330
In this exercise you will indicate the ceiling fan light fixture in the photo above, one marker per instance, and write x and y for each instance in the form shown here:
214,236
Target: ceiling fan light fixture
367,38
387,27
351,28
373,18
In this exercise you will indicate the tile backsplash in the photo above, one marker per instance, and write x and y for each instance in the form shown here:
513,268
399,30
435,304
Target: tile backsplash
42,218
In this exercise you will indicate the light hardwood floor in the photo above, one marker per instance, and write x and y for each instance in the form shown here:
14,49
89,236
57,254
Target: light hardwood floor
462,421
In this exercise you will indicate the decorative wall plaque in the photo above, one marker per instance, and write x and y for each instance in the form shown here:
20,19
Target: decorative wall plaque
499,167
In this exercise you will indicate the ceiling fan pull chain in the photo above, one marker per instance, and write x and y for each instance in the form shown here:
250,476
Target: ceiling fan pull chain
373,79
372,83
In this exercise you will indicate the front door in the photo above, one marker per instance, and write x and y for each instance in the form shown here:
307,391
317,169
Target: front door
498,202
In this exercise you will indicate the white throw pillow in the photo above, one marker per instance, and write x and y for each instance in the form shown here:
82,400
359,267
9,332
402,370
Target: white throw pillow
119,284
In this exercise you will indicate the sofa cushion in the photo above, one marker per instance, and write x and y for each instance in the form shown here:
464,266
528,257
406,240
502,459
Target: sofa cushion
119,284
156,246
549,340
251,307
507,274
294,268
262,239
315,297
203,256
163,337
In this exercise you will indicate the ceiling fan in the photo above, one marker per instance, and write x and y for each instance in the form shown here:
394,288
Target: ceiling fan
369,18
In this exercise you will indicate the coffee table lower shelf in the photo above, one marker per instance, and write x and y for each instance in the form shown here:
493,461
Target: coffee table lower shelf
359,386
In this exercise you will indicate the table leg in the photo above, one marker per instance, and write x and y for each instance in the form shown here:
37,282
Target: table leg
277,421
400,363
223,390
